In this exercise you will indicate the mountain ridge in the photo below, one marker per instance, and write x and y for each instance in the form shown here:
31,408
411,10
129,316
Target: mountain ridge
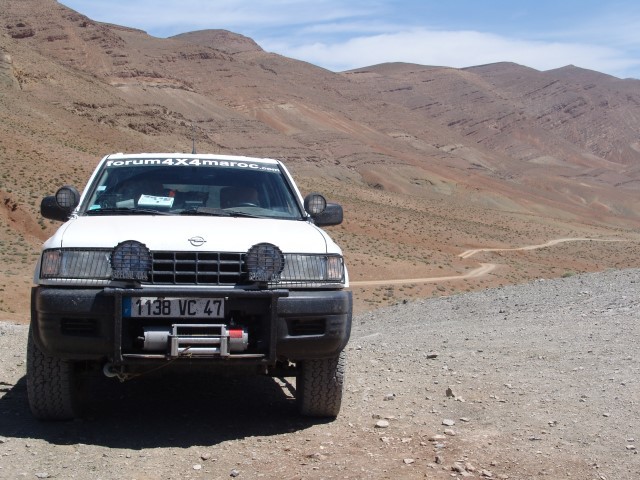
427,160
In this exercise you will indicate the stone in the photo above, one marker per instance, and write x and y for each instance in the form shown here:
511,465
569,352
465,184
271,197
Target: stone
317,456
382,424
448,422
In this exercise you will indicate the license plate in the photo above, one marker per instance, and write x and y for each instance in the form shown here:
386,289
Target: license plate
167,307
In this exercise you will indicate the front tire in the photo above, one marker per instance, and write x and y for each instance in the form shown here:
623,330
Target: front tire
51,385
319,386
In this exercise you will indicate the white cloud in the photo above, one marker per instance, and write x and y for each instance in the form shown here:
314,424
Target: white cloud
173,17
453,49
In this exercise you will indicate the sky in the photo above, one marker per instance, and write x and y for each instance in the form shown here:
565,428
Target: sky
339,35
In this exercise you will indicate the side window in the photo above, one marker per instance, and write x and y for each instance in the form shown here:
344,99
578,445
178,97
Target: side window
282,200
100,187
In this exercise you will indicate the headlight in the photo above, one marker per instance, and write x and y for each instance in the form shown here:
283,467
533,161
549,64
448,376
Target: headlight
74,265
315,204
67,198
313,269
131,260
264,263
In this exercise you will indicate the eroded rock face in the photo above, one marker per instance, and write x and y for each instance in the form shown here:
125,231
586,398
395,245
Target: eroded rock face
7,76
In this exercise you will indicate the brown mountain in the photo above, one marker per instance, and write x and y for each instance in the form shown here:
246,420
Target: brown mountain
428,161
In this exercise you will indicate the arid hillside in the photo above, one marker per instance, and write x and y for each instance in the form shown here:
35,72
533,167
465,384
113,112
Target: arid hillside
428,162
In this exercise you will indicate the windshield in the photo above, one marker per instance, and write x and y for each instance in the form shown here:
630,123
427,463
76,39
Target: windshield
192,187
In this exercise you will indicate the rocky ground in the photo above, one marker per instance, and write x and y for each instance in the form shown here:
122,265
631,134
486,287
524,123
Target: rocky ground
531,381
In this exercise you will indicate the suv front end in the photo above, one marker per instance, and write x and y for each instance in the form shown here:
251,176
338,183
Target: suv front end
173,273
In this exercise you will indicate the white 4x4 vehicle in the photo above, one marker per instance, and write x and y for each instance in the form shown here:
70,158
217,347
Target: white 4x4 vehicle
193,260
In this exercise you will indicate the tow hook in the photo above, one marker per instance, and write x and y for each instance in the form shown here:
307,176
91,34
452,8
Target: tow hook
111,371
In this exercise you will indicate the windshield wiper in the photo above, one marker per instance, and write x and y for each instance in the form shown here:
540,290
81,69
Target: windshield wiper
236,213
125,211
214,212
218,212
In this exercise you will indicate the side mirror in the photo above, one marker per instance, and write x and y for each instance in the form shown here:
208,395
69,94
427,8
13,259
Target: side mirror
332,215
60,205
324,214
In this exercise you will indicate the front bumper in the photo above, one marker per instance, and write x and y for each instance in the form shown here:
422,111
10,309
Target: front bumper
88,324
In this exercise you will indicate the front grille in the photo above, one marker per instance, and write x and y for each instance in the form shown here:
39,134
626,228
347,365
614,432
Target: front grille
197,268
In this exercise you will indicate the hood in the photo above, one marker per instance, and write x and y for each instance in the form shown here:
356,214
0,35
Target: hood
172,233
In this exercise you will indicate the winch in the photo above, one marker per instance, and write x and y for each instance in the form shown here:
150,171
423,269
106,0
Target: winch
195,340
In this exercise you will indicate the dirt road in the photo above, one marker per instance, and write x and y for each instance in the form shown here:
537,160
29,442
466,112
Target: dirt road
550,243
482,270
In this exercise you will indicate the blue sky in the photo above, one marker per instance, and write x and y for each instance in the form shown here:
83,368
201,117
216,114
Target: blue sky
345,34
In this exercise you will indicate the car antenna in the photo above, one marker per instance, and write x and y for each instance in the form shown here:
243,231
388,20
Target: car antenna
193,139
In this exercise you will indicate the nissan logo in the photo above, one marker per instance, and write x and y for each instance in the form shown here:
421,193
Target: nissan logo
197,241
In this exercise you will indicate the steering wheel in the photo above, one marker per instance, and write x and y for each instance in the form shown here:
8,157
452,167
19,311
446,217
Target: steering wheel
246,204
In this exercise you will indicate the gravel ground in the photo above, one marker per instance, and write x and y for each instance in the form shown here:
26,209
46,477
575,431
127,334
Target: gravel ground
531,381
